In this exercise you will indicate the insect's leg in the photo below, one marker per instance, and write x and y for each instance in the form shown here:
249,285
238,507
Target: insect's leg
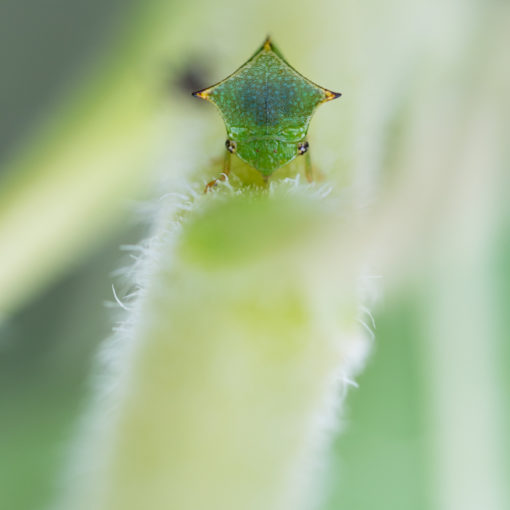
226,164
303,150
312,173
309,173
223,176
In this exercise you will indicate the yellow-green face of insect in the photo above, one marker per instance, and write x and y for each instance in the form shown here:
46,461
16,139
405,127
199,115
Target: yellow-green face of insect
267,107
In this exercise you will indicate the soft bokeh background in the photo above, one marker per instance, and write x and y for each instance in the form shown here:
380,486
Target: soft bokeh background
89,92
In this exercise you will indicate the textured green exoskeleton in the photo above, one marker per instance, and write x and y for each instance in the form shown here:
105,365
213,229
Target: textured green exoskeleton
267,106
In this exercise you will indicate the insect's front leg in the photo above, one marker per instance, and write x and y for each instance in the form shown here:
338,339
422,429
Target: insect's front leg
312,173
309,173
304,150
230,149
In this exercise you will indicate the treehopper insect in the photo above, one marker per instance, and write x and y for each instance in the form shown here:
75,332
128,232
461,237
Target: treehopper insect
266,106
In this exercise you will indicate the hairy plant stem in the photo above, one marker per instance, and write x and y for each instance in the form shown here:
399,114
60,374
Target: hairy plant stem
232,360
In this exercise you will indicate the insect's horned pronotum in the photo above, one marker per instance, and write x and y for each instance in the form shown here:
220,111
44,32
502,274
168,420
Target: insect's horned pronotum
267,106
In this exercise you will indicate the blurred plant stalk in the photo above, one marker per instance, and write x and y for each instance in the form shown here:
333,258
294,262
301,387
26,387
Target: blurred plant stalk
232,360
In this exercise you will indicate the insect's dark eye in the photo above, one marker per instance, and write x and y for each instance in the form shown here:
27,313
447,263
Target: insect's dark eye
230,145
302,147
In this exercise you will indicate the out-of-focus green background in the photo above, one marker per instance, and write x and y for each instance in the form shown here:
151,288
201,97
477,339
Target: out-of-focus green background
46,348
388,455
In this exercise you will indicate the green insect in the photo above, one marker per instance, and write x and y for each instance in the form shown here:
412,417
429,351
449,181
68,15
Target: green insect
267,106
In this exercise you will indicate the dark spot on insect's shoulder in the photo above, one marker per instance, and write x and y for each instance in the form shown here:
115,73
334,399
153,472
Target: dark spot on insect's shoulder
195,74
